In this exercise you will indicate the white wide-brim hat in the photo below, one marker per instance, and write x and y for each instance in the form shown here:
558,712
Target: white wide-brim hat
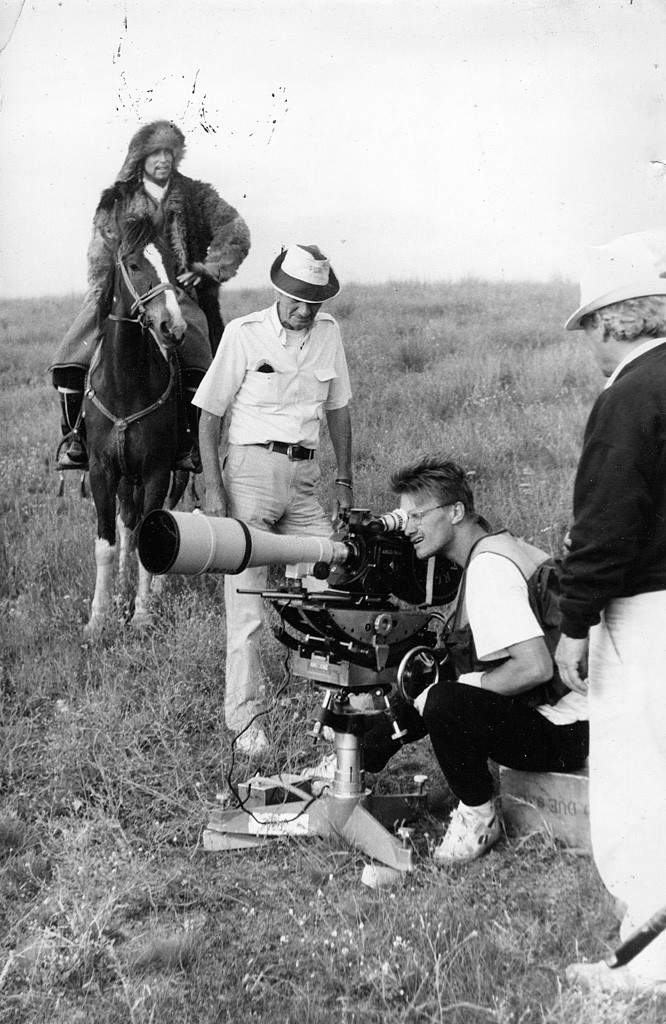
302,272
628,268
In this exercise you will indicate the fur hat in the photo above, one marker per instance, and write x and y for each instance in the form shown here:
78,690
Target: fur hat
302,272
148,139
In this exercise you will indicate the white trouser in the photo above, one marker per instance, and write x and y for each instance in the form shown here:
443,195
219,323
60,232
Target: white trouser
628,763
268,491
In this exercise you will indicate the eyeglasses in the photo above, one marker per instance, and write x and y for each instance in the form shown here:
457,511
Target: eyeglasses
418,517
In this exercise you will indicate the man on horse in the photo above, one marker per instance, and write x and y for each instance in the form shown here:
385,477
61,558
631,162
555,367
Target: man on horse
208,240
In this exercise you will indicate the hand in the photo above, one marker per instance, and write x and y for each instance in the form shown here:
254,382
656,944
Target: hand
215,504
571,658
344,495
343,503
189,279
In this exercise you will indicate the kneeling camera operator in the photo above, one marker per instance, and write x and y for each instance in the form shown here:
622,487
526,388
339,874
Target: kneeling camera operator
503,700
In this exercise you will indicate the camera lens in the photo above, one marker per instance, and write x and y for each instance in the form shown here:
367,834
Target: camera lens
393,522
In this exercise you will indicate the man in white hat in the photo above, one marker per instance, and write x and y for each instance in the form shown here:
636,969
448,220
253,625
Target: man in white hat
274,376
614,590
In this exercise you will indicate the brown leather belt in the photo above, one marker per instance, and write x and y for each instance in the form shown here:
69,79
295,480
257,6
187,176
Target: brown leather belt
292,451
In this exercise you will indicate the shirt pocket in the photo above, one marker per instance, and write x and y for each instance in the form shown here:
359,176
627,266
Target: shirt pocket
265,389
316,386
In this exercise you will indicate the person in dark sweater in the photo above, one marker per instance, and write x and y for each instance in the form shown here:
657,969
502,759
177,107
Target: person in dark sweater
613,602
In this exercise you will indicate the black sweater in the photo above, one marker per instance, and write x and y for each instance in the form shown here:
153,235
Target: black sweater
618,540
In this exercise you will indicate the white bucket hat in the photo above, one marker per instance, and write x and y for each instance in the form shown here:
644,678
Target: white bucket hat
628,268
302,272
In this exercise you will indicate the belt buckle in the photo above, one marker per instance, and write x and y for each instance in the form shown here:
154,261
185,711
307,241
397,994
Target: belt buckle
290,452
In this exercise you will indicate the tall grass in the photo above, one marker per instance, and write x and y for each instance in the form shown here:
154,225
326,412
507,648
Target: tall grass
113,754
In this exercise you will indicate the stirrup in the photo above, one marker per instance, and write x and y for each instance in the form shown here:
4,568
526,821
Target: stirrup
71,453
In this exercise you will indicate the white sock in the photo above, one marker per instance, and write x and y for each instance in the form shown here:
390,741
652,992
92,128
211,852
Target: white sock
485,811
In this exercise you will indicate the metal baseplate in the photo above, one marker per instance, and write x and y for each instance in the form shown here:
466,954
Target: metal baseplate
284,805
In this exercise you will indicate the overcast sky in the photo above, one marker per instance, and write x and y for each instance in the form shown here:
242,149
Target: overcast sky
411,139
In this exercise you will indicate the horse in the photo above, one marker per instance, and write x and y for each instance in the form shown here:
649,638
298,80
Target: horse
131,408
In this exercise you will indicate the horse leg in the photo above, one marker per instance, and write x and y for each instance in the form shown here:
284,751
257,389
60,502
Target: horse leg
105,558
143,617
124,547
154,496
104,495
130,501
124,561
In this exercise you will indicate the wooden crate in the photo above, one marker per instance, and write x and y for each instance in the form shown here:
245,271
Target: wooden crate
553,802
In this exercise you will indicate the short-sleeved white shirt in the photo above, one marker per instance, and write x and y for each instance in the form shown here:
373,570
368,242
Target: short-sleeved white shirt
500,616
307,376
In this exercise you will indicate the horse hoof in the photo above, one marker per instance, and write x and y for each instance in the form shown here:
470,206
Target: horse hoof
93,630
142,622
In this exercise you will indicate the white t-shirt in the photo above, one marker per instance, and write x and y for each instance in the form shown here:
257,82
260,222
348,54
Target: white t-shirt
500,616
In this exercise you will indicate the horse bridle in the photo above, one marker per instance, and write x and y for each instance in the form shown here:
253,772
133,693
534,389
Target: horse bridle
140,301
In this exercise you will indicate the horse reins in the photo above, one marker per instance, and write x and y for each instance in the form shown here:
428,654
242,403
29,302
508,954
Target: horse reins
121,422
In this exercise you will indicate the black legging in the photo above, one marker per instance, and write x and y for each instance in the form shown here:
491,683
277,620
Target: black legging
468,726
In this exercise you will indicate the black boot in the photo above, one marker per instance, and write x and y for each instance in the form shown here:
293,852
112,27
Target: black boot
188,457
71,452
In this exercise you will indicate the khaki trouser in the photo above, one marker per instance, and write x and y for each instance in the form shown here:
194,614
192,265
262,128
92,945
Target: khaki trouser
269,492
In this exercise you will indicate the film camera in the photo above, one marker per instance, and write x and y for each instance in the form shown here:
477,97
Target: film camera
367,633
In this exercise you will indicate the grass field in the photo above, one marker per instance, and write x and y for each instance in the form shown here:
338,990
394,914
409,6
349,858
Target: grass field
112,754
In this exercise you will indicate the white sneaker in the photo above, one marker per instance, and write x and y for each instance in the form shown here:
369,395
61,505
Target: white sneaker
468,836
252,741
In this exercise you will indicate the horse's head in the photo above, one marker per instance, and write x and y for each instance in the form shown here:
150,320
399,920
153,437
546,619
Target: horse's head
146,285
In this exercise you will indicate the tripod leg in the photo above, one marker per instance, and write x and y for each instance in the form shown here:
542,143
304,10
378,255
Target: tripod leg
370,836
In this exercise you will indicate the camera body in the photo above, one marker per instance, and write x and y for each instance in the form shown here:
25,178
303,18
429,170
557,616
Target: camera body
381,561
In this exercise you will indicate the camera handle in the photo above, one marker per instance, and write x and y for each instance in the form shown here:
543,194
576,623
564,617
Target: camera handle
418,670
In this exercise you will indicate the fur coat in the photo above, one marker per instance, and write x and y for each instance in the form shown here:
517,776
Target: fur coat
204,233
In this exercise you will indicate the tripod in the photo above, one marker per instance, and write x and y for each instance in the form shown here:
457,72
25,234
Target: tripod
283,805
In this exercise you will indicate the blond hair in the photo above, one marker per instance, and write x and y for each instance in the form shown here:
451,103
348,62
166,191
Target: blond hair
631,319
